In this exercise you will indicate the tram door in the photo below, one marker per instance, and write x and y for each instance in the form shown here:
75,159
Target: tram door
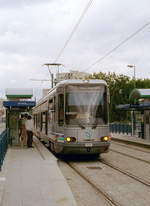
13,126
52,115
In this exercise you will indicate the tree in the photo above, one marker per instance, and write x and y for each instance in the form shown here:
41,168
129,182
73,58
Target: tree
120,87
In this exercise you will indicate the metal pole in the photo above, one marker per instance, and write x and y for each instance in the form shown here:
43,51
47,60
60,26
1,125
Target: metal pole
134,78
133,66
51,76
134,112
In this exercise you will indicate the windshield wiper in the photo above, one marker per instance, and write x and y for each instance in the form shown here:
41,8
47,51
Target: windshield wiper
82,127
95,124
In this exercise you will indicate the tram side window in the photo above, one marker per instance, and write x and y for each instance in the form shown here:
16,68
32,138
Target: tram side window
61,109
36,121
50,110
105,108
41,125
54,108
46,122
51,105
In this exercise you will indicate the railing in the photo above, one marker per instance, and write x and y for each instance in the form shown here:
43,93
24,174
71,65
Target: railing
121,128
3,146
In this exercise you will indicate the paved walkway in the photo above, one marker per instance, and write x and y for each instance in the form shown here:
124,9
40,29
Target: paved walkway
131,140
31,177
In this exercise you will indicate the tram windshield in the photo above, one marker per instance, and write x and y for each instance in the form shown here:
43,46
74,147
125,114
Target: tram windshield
86,105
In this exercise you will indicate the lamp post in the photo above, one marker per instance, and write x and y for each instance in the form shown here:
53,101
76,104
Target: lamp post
133,114
133,66
51,74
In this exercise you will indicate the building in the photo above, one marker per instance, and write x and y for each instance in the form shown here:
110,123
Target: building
71,75
2,111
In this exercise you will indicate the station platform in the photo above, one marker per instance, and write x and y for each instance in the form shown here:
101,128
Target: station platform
133,140
31,177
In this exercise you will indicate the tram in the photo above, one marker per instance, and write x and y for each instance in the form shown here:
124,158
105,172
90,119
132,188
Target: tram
73,118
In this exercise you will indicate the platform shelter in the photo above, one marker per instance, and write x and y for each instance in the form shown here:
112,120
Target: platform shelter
18,102
140,112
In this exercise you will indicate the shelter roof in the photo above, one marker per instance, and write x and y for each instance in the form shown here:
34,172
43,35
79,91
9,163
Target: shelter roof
140,106
19,104
19,93
139,94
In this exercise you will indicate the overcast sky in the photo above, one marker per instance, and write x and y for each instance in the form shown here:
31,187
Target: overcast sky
32,32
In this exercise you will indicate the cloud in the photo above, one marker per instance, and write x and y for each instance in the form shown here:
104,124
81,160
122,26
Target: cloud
21,3
33,32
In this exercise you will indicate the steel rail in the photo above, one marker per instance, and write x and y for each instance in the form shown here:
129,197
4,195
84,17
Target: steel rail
138,179
106,196
127,155
131,147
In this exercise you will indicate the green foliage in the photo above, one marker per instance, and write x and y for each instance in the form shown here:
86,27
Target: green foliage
120,87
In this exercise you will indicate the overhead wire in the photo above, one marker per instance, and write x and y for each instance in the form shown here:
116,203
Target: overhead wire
74,29
119,45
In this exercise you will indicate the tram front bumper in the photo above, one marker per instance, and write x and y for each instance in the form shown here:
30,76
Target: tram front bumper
82,148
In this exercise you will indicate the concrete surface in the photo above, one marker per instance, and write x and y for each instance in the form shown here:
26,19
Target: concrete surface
31,177
131,140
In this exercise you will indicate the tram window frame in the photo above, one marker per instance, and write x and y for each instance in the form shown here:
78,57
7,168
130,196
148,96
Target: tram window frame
50,105
54,102
46,122
36,121
41,121
60,109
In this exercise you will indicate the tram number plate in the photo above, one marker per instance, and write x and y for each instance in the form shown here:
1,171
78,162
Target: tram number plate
88,144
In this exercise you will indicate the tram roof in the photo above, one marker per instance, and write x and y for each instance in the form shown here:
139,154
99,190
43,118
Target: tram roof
81,81
74,82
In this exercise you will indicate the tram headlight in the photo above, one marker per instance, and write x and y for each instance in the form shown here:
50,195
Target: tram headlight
68,139
104,139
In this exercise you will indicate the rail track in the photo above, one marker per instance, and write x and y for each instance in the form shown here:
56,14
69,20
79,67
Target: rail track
98,188
131,156
144,182
110,200
131,147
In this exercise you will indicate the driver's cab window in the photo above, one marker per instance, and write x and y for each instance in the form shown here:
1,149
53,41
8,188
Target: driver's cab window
61,109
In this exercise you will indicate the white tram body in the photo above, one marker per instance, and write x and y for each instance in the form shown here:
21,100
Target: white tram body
73,118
